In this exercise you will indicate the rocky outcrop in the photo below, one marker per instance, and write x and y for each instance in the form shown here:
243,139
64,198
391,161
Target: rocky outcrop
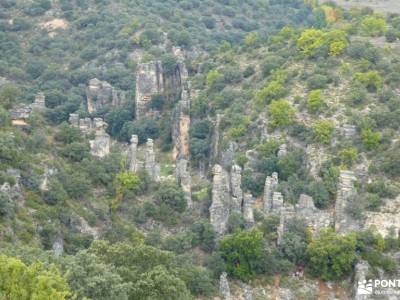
132,154
152,80
228,198
151,167
87,125
40,102
315,158
248,209
12,190
220,207
182,174
224,289
58,247
236,190
180,137
386,221
346,190
271,183
100,146
101,95
216,138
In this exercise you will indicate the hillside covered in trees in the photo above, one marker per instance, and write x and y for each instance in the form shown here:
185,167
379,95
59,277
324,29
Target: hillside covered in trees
217,149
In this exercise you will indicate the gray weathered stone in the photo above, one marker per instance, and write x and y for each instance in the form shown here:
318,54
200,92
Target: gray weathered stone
132,154
182,173
87,125
224,289
151,167
100,146
152,80
346,190
236,190
271,183
101,94
58,247
220,206
248,214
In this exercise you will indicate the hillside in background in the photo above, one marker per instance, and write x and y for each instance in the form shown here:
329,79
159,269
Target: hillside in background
197,149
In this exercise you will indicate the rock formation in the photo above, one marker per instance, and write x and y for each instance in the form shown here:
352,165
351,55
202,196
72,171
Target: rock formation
151,167
248,214
220,207
182,174
58,247
271,183
87,125
346,190
40,102
101,95
180,137
236,190
227,198
224,289
151,80
132,154
100,146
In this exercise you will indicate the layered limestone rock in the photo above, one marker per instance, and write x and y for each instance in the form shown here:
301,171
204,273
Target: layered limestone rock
346,190
132,154
228,198
271,183
315,219
100,146
151,167
224,289
87,125
216,138
101,95
236,190
180,137
220,207
315,158
151,80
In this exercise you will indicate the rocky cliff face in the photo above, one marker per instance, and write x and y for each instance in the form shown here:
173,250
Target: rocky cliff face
151,80
271,183
220,207
227,198
180,137
101,95
100,146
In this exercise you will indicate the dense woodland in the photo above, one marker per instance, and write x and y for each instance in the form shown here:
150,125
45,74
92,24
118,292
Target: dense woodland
273,72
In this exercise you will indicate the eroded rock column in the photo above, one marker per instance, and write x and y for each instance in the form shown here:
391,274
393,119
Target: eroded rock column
220,207
236,190
132,154
151,167
271,183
